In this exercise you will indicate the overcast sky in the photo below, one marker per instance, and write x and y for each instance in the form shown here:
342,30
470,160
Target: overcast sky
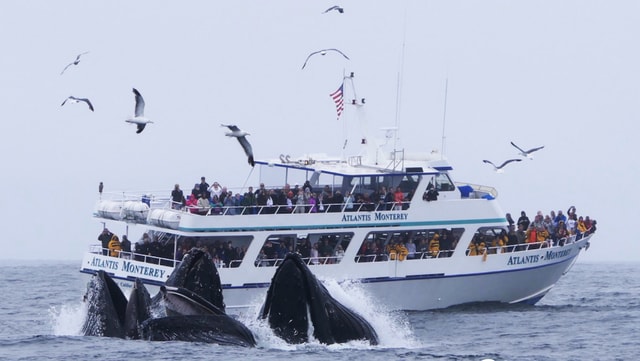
563,74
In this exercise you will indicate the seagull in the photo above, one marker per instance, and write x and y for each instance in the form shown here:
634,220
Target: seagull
527,153
139,113
334,7
323,52
75,62
240,135
499,169
72,99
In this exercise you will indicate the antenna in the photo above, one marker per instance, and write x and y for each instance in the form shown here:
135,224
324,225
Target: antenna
400,73
444,116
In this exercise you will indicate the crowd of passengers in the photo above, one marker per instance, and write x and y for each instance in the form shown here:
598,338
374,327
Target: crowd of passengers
440,244
548,230
152,250
327,250
216,199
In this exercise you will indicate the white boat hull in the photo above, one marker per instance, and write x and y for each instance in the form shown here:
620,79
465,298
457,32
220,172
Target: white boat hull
426,284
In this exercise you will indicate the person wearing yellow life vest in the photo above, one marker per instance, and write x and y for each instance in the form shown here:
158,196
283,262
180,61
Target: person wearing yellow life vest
114,246
434,245
391,249
401,251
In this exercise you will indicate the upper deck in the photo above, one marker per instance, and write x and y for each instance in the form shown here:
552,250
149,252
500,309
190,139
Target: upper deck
326,194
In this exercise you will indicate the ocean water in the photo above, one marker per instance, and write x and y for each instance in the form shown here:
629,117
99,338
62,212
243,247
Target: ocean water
593,313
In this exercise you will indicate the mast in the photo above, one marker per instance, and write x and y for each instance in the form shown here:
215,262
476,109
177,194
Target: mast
444,117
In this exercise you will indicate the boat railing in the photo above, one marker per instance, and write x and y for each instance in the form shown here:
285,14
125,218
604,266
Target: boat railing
548,243
295,209
97,249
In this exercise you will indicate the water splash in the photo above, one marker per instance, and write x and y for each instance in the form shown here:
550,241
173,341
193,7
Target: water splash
67,320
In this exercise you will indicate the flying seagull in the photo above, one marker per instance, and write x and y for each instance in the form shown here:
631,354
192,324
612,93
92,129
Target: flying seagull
526,153
322,52
139,113
72,99
334,7
240,135
75,62
499,169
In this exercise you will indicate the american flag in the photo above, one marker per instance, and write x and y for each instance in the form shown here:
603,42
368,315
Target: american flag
338,98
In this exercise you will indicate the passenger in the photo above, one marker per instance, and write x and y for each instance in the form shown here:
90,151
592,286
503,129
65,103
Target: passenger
301,202
512,237
388,199
581,228
289,203
431,194
524,220
472,249
446,244
203,188
104,238
313,201
314,254
401,251
434,245
380,198
391,251
114,246
510,219
203,204
348,202
215,189
249,201
126,247
562,233
411,249
560,217
192,203
339,254
230,204
398,199
306,187
522,237
177,197
216,205
337,201
481,250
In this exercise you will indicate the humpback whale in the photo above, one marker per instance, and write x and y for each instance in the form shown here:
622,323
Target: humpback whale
106,307
295,293
190,307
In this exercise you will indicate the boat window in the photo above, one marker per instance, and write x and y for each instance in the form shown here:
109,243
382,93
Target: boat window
226,251
315,248
490,240
409,245
444,183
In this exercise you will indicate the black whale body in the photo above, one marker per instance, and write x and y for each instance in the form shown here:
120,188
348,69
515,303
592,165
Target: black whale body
295,292
192,302
190,307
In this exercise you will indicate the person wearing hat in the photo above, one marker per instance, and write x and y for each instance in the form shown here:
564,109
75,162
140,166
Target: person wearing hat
114,246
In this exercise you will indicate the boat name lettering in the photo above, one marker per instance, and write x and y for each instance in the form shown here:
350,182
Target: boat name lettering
356,217
383,216
142,270
377,216
515,260
104,263
557,254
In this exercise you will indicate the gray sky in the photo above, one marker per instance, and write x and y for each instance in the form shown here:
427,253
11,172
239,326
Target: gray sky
562,74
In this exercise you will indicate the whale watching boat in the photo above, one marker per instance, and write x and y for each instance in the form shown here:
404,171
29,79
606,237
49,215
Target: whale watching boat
433,243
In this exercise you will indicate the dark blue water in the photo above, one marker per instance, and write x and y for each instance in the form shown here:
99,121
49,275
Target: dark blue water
593,313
